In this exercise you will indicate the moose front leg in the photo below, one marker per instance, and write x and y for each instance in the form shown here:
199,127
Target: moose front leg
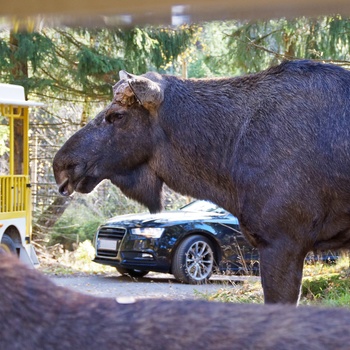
281,269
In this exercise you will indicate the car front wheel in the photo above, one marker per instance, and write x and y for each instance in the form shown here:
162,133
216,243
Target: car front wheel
193,260
131,272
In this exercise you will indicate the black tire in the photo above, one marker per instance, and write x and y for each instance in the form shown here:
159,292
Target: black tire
8,244
193,261
132,272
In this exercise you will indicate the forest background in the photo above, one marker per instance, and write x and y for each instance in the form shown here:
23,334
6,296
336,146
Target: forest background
72,70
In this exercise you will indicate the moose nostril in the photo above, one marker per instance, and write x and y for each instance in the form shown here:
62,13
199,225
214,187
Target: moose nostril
63,188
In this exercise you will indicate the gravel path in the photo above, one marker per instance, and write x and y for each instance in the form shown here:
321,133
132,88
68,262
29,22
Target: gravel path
151,286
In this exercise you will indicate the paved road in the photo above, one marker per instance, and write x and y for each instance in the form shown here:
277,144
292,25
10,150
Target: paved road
151,286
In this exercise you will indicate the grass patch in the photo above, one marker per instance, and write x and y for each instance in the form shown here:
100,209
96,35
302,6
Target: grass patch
78,261
319,268
327,284
248,292
323,284
329,290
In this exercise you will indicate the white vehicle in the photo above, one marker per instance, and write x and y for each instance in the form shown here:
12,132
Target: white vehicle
15,191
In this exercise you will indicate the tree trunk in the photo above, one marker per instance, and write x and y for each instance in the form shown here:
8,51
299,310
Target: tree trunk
289,45
19,72
19,65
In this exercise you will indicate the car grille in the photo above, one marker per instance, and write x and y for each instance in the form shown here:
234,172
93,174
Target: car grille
113,234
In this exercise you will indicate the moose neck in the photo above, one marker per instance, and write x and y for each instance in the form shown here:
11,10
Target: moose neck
196,114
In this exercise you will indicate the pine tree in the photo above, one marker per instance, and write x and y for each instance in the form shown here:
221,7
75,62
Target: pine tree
76,64
75,69
250,46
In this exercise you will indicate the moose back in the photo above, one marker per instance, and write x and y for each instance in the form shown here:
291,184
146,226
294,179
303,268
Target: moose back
272,145
37,314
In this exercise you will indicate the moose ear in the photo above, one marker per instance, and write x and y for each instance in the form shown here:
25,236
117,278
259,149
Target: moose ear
147,92
124,75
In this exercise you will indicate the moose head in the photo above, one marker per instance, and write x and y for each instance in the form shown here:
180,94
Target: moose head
119,145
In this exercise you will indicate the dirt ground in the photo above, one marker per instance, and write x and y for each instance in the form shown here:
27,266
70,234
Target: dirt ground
154,285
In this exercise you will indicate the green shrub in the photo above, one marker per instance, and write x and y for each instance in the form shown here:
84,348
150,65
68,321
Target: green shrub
72,229
332,289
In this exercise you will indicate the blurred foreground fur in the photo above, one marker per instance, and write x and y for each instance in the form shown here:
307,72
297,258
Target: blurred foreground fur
37,314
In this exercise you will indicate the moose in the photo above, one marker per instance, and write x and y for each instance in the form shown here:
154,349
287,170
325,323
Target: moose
272,148
37,314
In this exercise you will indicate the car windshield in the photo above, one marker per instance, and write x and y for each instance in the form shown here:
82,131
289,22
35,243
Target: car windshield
204,206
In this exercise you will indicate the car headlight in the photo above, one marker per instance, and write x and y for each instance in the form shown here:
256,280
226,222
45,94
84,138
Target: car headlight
149,232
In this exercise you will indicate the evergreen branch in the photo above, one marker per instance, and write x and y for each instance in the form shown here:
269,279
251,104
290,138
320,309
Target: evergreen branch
274,53
70,38
50,97
288,57
60,54
58,83
256,39
73,91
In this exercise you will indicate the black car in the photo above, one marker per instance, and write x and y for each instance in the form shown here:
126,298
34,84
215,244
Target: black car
189,243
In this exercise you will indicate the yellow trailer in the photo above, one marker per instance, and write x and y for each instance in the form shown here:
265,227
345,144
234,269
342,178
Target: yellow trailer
15,191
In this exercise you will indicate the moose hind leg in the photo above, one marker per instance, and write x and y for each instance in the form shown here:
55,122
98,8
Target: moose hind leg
281,273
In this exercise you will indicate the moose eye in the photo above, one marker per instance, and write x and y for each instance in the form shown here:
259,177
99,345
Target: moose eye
112,117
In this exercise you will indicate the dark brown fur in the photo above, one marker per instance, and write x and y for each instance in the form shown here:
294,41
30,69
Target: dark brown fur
36,314
273,148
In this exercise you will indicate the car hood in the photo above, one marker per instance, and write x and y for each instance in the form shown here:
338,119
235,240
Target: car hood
166,217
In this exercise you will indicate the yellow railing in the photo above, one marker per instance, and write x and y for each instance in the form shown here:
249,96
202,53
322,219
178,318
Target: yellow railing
13,193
